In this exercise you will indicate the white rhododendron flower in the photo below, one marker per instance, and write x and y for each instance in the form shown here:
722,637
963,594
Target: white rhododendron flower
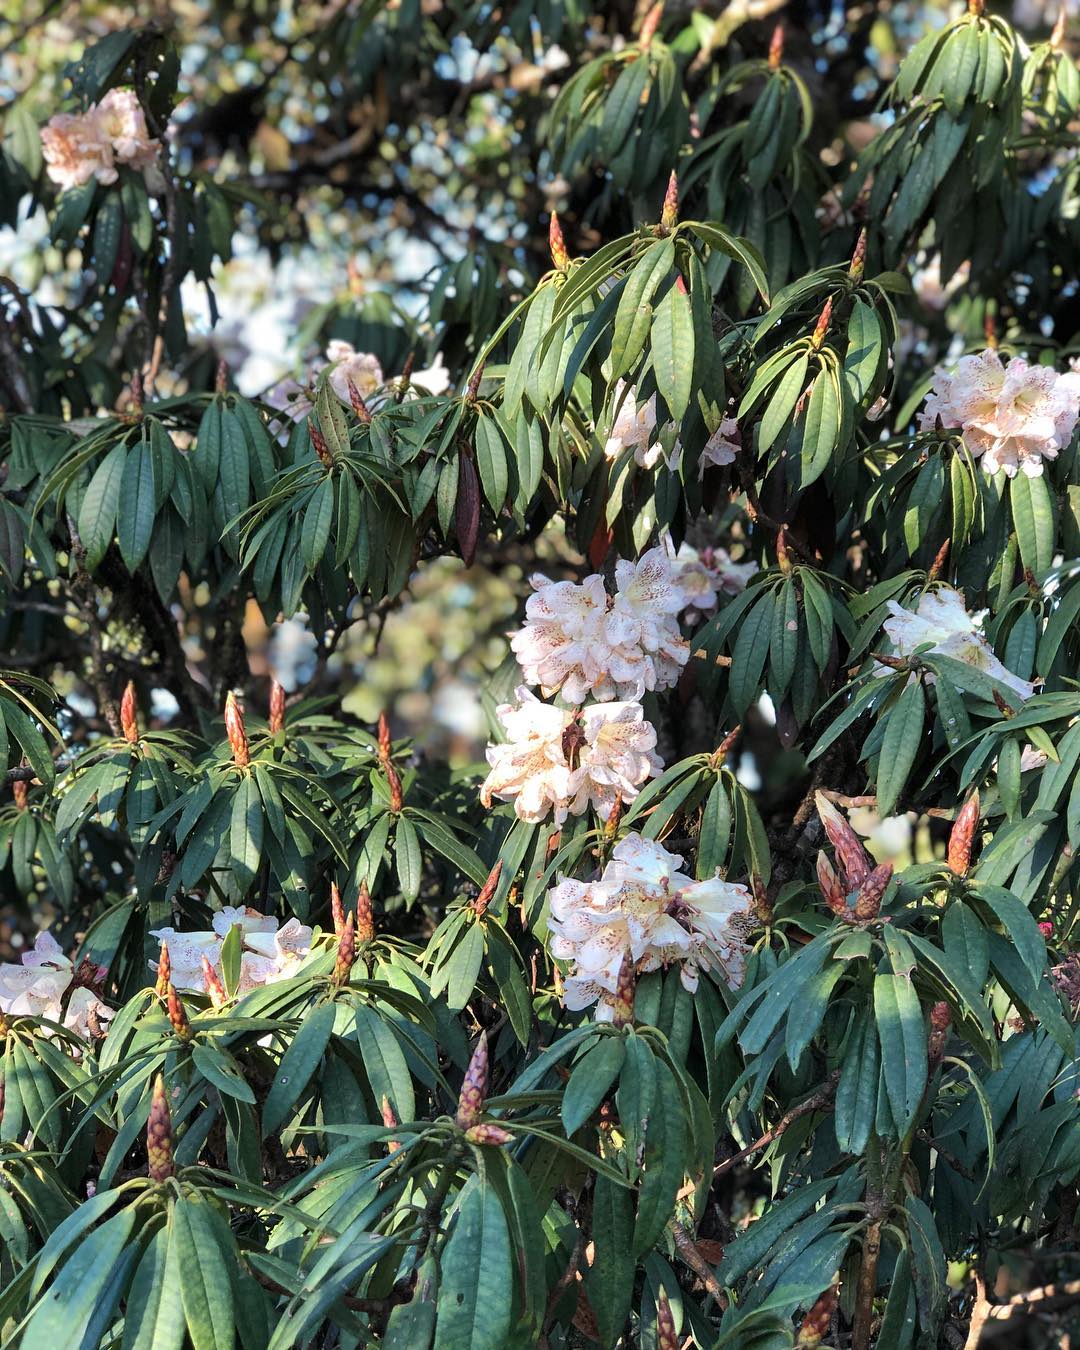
270,953
80,146
634,428
1013,416
362,368
709,572
929,288
721,447
435,379
645,908
942,620
581,641
38,984
123,124
552,763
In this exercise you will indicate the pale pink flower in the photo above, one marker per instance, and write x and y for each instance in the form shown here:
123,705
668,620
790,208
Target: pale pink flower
1013,416
270,952
285,949
708,573
75,150
634,427
362,368
929,288
616,759
121,122
37,985
722,446
530,768
942,621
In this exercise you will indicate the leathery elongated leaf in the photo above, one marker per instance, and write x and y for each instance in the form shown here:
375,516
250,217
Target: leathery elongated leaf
901,1030
474,1307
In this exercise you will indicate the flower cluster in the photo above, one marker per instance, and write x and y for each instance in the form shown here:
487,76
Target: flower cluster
707,573
45,984
644,909
635,428
565,760
942,621
270,953
1014,416
81,146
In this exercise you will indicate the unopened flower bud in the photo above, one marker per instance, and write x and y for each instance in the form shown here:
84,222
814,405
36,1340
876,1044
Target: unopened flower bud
962,836
868,899
858,258
783,553
359,407
940,1021
474,1088
611,825
669,215
976,7
406,376
556,243
762,906
389,1120
472,391
5,1025
159,1135
384,737
480,904
487,1133
128,723
1006,709
622,1003
719,756
212,980
854,863
277,708
667,1338
319,445
650,24
816,1323
164,971
135,390
177,1013
829,884
365,920
776,47
20,790
818,335
346,954
1046,929
938,565
221,379
990,333
337,909
235,730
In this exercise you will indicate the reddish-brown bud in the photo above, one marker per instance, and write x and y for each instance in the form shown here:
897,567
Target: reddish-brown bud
359,407
135,389
667,1338
719,756
855,864
938,565
990,330
776,47
221,379
212,980
318,443
177,1013
487,1133
940,1021
611,825
5,1025
1006,709
394,783
622,1003
337,909
236,731
816,1323
650,24
389,1120
488,889
858,258
159,1135
20,790
128,722
474,1088
164,971
976,7
831,889
893,662
822,327
962,835
762,905
346,954
868,899
783,553
384,737
556,242
472,391
669,215
365,920
277,708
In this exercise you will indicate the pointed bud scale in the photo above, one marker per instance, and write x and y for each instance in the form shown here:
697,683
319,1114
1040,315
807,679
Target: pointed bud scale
337,909
962,836
720,754
776,47
667,1338
830,887
221,379
319,445
940,1021
937,566
164,971
488,1133
783,553
650,25
622,1003
816,1323
488,889
277,708
818,336
858,258
20,790
128,724
854,863
235,730
611,825
136,389
394,782
893,662
159,1135
472,391
762,905
1057,35
868,900
976,7
384,737
389,1120
474,1088
990,331
1006,709
346,954
359,407
177,1013
365,920
214,988
669,215
556,243
407,369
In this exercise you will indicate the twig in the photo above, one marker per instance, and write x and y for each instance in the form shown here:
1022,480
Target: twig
562,1284
84,593
815,1102
364,1305
691,1254
954,1162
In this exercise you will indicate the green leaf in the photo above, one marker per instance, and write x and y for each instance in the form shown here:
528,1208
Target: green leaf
900,745
298,1065
1032,508
97,512
387,1070
154,1310
318,517
203,1273
590,1082
610,1279
491,462
633,316
135,522
246,832
673,350
902,1034
474,1307
786,394
84,1290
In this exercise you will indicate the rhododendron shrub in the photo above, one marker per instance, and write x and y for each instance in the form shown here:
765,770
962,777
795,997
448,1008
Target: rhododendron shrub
541,777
